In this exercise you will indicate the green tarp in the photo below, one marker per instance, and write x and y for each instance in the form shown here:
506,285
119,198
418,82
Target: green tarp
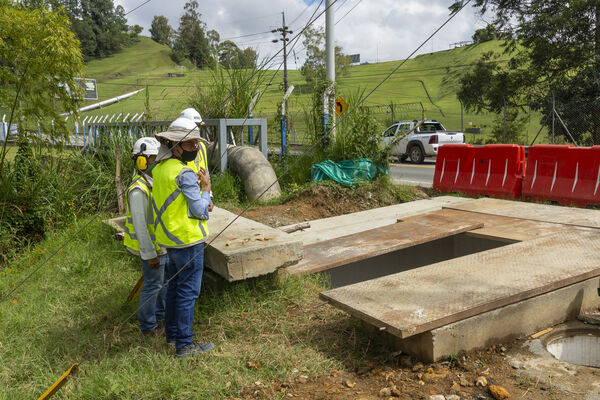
346,172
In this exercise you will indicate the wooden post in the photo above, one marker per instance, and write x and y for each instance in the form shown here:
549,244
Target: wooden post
118,182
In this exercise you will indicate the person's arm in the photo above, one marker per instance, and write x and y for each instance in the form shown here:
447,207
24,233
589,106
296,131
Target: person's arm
138,206
198,201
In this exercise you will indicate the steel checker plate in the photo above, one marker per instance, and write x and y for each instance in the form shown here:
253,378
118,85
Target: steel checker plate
359,246
532,211
425,298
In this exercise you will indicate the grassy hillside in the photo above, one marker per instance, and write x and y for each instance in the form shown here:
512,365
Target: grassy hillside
423,86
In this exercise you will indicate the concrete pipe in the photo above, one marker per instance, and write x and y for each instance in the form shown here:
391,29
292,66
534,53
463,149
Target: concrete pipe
252,167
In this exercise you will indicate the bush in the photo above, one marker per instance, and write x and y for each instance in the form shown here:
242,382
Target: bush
43,189
227,189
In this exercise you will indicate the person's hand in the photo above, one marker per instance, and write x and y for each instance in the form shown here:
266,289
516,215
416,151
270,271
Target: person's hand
154,263
204,179
211,206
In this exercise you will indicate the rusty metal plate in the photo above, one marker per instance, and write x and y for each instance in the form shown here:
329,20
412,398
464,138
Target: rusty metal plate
512,229
425,298
359,246
532,211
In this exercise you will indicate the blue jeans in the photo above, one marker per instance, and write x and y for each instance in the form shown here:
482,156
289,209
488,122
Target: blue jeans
182,292
152,305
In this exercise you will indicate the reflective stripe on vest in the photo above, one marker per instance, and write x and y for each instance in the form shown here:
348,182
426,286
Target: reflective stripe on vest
130,239
173,226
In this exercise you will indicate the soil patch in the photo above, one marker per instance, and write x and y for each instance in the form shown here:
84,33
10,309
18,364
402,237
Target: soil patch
328,200
475,376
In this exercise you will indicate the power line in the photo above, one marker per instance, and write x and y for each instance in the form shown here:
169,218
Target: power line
144,3
349,11
243,36
303,11
340,5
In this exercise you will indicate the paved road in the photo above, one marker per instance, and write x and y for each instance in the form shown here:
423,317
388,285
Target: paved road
413,174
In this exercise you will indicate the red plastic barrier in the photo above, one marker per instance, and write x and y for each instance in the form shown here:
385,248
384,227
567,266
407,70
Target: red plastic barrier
565,174
451,159
495,170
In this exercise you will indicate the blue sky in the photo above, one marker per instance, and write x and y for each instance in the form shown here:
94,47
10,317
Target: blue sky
378,30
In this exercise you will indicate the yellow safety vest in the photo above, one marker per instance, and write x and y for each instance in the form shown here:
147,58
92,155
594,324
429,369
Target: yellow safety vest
130,238
173,226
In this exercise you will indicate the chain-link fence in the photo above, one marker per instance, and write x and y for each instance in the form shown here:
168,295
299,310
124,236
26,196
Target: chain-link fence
519,125
550,122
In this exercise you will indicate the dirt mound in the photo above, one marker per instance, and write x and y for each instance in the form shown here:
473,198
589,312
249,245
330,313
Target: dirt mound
328,200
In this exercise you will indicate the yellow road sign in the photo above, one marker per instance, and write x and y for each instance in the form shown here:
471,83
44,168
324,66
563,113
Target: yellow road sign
340,106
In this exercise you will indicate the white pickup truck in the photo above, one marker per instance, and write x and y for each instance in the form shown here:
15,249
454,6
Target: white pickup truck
421,143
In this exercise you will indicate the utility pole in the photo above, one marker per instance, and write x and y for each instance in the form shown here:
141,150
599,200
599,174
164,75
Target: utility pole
329,63
283,31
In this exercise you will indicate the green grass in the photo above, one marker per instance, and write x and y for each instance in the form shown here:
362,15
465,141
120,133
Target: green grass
71,309
149,62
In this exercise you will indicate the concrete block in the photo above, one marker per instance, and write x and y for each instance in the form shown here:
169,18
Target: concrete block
500,325
239,248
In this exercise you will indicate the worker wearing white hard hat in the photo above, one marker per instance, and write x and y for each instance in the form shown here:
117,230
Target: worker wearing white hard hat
140,240
192,114
181,203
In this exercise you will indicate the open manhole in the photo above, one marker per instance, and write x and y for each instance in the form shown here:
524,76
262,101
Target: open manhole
578,346
413,257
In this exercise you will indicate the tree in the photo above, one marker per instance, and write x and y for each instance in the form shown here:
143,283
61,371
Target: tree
213,42
314,69
39,59
191,41
509,129
485,34
555,52
134,31
160,30
99,25
231,56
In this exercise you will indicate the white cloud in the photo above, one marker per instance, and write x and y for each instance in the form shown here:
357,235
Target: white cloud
379,30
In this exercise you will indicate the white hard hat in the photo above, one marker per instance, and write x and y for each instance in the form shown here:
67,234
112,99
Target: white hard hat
146,146
192,114
184,124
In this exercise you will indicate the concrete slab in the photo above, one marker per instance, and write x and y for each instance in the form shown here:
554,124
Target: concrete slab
342,225
239,248
426,298
531,211
515,320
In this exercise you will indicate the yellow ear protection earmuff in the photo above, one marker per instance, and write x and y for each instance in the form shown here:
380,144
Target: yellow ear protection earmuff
141,160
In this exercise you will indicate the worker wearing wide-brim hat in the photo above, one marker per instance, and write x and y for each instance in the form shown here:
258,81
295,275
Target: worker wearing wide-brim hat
181,202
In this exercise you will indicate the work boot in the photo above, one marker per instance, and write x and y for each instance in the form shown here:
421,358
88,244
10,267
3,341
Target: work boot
158,331
194,348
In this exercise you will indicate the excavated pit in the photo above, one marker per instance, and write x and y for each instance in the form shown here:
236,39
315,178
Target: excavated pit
420,255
